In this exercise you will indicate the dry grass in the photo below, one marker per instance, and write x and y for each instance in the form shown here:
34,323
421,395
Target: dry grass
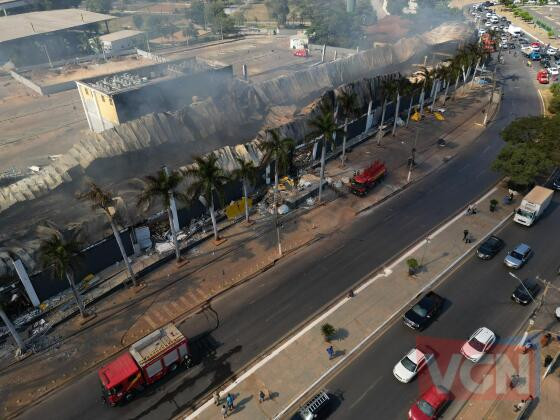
258,11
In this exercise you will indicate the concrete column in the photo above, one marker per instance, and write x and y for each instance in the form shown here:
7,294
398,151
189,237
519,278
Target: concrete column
23,276
84,106
244,71
173,205
323,53
369,119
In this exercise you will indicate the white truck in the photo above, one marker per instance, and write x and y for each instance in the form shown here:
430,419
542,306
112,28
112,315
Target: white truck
514,31
533,206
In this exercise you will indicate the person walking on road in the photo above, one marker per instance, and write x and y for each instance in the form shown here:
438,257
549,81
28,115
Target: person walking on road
330,351
229,401
465,235
216,397
224,411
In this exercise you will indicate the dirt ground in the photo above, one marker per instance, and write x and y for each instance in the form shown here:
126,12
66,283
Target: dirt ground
389,29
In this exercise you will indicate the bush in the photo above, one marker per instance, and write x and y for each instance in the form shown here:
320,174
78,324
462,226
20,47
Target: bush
328,332
413,265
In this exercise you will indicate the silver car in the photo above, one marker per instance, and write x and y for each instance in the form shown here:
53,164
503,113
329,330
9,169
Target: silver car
518,257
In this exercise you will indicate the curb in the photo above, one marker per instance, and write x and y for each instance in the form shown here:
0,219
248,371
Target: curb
435,168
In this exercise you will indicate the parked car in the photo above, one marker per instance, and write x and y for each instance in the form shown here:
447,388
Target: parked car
551,51
535,56
542,77
553,72
481,31
556,182
410,365
427,308
490,247
526,292
430,405
518,256
318,407
478,344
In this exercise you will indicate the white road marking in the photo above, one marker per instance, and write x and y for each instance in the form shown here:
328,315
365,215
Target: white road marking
334,308
366,392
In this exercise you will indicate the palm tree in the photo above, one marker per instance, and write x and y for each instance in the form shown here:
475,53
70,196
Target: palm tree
57,253
323,126
209,178
7,321
162,187
428,76
412,90
278,150
246,172
103,200
348,104
401,87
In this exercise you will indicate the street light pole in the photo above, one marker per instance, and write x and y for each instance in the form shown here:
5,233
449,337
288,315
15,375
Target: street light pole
493,88
412,156
426,243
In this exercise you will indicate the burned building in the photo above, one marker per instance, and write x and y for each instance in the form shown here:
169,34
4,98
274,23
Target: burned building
163,87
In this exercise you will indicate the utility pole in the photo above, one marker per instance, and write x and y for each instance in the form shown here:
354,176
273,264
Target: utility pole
412,157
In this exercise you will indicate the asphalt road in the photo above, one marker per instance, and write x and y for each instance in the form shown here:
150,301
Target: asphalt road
477,294
249,319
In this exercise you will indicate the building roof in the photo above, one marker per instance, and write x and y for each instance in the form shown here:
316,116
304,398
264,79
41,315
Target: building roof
114,36
34,23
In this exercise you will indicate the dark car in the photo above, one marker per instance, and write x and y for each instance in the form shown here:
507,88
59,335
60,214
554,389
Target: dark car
490,247
424,311
556,182
318,407
526,292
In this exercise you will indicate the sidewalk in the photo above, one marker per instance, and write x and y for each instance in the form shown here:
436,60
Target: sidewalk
300,364
127,315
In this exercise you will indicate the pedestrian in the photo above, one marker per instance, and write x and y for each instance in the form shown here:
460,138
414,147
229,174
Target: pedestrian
465,235
261,396
473,209
224,411
216,398
229,401
330,352
469,210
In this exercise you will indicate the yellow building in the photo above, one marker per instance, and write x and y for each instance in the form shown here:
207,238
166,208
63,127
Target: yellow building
164,87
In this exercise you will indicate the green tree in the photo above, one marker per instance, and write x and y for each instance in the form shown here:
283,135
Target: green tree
278,9
246,172
278,150
104,201
208,180
323,126
532,149
347,101
100,6
138,21
196,12
58,254
162,188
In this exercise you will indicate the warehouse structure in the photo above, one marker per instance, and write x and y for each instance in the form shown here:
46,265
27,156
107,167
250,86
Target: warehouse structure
13,6
164,87
51,30
118,42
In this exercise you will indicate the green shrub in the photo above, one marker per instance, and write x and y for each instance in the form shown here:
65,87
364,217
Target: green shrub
328,332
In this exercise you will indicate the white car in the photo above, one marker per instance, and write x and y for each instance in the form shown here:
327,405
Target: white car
409,366
551,51
553,71
488,24
504,40
479,344
481,31
489,14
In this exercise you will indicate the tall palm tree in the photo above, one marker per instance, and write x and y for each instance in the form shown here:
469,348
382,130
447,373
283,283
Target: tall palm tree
103,200
209,180
401,87
276,149
8,322
428,76
162,187
323,126
57,253
348,104
246,172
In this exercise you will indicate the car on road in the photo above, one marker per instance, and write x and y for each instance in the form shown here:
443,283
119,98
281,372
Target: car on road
481,31
478,344
318,407
556,182
526,292
410,365
542,77
489,248
427,308
430,405
488,24
518,256
553,72
535,56
551,51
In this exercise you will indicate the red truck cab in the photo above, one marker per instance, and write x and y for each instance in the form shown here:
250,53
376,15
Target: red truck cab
542,77
145,362
366,179
301,52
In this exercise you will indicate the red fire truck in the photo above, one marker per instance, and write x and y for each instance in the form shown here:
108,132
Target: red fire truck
301,52
361,183
145,362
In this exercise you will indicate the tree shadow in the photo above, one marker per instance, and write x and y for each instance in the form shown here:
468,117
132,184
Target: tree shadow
341,334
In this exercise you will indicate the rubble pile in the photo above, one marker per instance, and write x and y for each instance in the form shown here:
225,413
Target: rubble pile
219,124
